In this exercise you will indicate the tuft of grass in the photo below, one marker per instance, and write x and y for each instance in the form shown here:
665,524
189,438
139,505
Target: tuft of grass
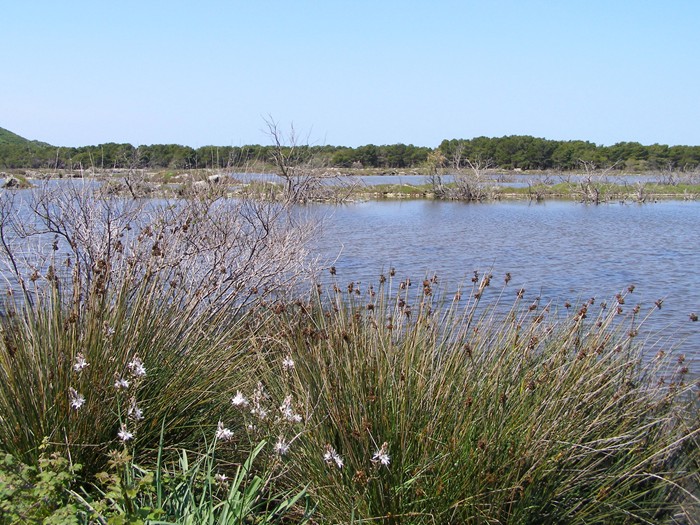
163,286
192,365
446,413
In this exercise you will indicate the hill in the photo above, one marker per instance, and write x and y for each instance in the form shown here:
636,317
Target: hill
7,137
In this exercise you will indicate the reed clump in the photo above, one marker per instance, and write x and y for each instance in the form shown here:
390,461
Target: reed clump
130,314
423,410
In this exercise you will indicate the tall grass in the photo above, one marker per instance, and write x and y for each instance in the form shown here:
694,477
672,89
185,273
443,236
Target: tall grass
191,370
111,283
387,405
446,414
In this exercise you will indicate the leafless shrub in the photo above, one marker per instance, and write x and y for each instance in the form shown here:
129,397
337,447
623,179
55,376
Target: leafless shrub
469,175
640,192
472,184
593,180
212,251
305,177
436,169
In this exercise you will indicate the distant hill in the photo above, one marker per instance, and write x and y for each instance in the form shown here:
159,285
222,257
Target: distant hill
7,137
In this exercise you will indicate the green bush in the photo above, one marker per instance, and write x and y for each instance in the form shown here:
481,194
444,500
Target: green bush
37,494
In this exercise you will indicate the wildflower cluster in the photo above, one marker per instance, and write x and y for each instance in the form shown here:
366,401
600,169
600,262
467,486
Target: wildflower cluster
75,399
258,399
331,457
261,407
381,456
136,367
287,411
126,384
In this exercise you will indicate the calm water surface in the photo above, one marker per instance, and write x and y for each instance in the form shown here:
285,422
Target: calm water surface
557,250
560,251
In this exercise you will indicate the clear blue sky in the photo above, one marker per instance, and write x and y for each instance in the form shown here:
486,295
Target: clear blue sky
75,73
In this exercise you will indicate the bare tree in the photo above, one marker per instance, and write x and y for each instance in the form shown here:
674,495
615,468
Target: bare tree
296,169
305,176
471,184
593,180
436,165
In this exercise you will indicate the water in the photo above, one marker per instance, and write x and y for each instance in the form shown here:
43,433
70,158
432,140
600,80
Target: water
559,251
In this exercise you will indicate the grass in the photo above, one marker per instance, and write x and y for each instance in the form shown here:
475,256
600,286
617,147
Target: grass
608,191
488,417
399,404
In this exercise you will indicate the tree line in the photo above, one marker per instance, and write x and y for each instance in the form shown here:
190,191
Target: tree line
510,152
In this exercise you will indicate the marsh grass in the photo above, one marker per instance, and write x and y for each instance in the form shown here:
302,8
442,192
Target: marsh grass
487,415
191,370
394,404
388,405
168,285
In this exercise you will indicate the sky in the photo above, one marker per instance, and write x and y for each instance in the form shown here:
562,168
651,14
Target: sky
350,73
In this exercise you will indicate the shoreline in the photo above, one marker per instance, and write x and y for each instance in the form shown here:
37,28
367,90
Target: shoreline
488,186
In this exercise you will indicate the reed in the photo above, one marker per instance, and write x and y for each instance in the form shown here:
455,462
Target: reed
424,410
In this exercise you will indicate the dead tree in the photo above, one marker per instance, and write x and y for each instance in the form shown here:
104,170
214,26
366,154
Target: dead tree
305,176
471,184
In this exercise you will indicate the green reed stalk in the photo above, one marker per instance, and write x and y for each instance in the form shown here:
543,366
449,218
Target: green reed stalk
489,415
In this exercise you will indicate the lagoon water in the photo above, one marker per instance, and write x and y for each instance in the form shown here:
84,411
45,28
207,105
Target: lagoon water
559,251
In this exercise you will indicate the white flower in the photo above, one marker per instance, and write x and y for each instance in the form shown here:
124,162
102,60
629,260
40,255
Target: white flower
223,433
259,393
80,363
221,479
331,456
381,456
281,447
239,400
137,368
287,412
288,363
260,412
258,396
76,400
135,412
124,434
121,384
286,406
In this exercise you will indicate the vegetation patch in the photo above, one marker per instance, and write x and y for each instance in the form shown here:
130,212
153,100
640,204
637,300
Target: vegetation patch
176,373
